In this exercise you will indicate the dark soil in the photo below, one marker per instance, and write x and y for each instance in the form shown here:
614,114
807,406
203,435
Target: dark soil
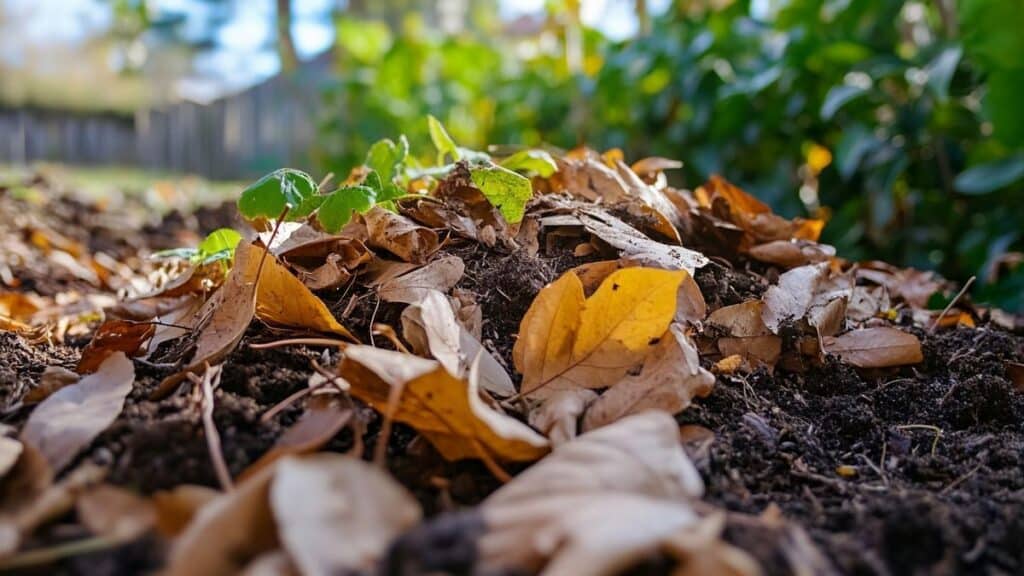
915,471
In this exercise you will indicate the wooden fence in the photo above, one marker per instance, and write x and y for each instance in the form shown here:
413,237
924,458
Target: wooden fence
266,127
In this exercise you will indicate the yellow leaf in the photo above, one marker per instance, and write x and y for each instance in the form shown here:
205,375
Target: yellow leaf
566,342
448,411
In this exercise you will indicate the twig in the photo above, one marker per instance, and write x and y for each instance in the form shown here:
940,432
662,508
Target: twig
960,480
949,306
935,429
381,449
373,319
210,380
300,342
48,555
291,399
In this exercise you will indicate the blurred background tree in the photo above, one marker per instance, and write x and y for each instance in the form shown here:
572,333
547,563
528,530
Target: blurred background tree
896,119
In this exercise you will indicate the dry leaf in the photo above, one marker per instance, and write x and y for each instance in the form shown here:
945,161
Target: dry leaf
114,336
558,415
792,253
440,275
115,513
400,235
227,532
792,297
670,378
879,347
175,508
337,514
638,248
596,505
329,275
324,417
10,451
53,378
756,350
567,342
755,217
69,420
447,411
1015,373
742,320
700,550
653,164
429,325
690,305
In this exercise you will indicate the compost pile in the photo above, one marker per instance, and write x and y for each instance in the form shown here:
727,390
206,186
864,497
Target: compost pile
543,363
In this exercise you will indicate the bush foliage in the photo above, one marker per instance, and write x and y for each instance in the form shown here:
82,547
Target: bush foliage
897,120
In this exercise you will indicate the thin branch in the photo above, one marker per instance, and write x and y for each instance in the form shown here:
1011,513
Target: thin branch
949,306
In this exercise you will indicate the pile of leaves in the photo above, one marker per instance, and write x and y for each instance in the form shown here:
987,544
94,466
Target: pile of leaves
537,363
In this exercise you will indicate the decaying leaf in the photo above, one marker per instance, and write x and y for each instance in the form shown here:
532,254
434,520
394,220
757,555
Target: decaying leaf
567,341
67,421
432,329
10,451
115,513
400,235
337,514
175,508
114,336
744,320
596,505
878,347
53,378
409,287
755,217
792,297
671,377
638,248
792,253
446,410
558,415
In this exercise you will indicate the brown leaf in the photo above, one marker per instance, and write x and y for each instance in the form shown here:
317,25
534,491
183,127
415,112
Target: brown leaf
742,320
69,420
792,297
1015,372
792,253
10,451
430,326
114,513
671,377
879,347
596,505
756,350
567,342
448,411
324,417
114,336
558,415
175,508
440,275
400,235
654,164
337,514
638,248
331,274
53,378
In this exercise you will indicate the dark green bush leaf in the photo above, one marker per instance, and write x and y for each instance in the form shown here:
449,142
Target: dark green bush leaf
838,97
991,176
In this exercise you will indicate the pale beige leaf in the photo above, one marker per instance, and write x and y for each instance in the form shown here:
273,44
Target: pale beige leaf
790,299
10,451
596,505
671,377
175,508
337,514
114,512
431,328
637,247
742,320
756,350
440,275
68,421
878,347
792,253
557,416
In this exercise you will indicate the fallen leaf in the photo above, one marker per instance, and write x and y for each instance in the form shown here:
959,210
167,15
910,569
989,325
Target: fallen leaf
690,305
639,248
69,420
756,350
742,320
755,217
324,417
114,512
569,342
227,532
10,451
400,235
791,298
440,275
558,415
671,377
114,336
448,411
700,550
430,326
176,507
792,253
878,347
53,378
653,164
596,505
331,274
337,514
1014,371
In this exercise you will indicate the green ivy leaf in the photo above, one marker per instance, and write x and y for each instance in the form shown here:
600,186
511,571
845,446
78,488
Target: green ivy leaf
532,160
337,207
268,196
442,141
387,158
991,176
504,189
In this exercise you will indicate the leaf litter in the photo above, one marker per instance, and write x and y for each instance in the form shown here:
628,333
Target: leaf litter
475,381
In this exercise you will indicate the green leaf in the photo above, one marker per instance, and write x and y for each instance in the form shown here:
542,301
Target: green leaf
337,207
991,176
838,97
218,241
504,189
366,40
1002,102
268,196
532,160
854,144
387,158
941,70
182,253
442,141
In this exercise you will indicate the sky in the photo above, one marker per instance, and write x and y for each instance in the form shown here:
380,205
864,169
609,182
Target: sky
243,54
